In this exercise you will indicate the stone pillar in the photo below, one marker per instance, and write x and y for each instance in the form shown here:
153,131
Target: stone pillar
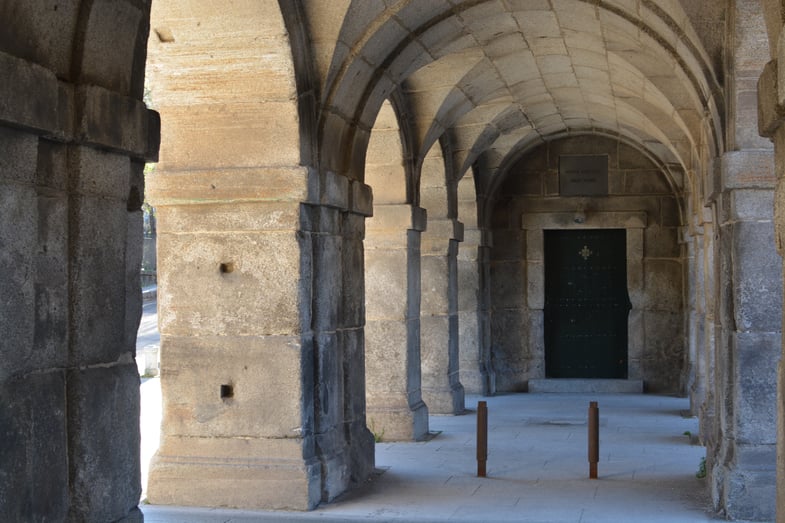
468,289
333,242
742,462
771,114
707,412
441,387
484,314
261,340
395,409
694,365
74,136
229,276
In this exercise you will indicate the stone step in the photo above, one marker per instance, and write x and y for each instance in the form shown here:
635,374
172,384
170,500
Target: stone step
586,385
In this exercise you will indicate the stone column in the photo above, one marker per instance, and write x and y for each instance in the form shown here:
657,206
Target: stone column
771,114
74,136
742,465
230,303
469,289
484,314
395,409
441,387
261,340
333,262
707,411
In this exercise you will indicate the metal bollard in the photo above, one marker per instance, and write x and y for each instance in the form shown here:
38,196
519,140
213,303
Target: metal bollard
482,437
594,439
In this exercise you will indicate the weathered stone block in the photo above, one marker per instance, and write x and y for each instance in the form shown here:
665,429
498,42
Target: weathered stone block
111,41
754,376
225,136
535,285
234,472
662,242
435,362
770,113
328,273
18,153
99,264
361,199
353,343
385,284
646,182
353,283
386,360
748,169
40,112
469,351
395,216
329,369
508,245
757,279
508,289
100,173
228,386
34,476
664,351
253,279
435,277
52,168
632,159
19,239
663,285
101,109
749,494
226,217
103,436
232,186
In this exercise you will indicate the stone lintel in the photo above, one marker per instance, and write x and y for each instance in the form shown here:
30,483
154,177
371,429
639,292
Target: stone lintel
253,184
104,119
584,220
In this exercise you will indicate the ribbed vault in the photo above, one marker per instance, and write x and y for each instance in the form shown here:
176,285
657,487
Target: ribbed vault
499,76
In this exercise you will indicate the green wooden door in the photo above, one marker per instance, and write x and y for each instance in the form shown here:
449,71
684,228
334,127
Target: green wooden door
586,303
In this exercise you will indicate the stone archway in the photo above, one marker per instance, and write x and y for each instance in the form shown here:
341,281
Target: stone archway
640,201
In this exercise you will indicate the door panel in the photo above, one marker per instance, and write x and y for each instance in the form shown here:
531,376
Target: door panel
586,304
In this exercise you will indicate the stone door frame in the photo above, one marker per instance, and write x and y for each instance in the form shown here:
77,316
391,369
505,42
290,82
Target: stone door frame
634,223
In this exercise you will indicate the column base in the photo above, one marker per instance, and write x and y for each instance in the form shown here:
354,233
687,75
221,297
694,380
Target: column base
398,424
445,401
234,473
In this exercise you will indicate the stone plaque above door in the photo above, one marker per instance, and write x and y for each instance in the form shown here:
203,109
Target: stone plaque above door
583,175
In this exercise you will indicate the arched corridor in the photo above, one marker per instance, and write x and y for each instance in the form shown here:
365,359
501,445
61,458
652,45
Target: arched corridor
364,213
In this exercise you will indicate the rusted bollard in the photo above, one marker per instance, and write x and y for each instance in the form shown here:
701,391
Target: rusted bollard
482,437
594,439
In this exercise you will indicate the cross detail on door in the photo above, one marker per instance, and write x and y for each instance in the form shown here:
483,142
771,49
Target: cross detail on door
585,252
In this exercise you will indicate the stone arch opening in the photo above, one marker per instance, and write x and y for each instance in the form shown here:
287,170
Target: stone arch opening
395,408
78,134
638,199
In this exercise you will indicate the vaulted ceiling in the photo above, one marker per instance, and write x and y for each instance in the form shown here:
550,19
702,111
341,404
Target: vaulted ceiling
500,76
